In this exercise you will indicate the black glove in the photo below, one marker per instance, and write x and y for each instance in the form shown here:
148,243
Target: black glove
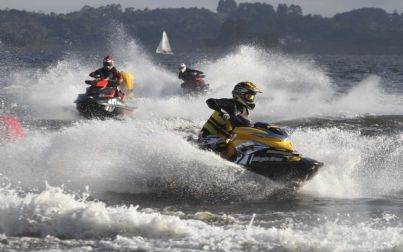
224,114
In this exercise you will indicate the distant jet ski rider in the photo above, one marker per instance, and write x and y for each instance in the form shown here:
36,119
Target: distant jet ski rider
188,76
109,72
228,114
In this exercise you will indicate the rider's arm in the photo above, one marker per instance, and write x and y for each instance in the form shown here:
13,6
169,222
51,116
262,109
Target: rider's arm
221,105
241,121
241,116
193,72
95,74
180,75
187,75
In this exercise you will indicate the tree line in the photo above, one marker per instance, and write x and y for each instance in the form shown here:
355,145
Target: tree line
365,30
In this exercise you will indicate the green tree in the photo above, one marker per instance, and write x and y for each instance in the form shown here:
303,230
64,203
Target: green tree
226,6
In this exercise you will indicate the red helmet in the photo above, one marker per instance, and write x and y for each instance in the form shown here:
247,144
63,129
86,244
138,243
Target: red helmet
108,62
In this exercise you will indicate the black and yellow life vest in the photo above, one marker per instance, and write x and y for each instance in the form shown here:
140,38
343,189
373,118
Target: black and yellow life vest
216,125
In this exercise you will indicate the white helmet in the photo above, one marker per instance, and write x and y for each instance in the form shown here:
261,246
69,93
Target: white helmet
182,67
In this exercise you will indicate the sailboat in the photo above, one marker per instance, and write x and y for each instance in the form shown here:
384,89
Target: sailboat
164,46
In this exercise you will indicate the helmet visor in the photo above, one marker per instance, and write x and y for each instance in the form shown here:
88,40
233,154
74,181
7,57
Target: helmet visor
108,64
249,97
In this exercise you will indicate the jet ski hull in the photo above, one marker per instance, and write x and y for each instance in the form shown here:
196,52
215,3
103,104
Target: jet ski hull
287,171
91,108
267,150
189,91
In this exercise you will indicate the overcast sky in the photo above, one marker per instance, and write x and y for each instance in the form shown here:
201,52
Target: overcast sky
321,7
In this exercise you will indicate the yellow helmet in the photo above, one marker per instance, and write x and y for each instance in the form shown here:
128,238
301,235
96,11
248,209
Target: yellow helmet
245,92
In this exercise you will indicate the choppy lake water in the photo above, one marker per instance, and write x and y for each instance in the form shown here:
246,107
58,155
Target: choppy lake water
78,185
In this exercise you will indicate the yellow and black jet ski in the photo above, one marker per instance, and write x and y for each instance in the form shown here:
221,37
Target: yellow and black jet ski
266,149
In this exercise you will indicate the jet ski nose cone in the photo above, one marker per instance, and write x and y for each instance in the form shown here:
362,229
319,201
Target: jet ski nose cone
318,164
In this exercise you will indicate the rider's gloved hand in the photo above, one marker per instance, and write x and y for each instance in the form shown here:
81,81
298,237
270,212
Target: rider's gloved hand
225,115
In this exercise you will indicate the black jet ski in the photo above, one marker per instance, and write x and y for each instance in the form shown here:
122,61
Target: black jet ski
101,100
196,86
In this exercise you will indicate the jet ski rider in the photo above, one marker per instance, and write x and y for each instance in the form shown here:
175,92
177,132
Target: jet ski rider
109,72
228,114
188,76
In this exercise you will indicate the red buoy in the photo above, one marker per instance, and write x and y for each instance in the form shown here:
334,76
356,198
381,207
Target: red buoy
10,128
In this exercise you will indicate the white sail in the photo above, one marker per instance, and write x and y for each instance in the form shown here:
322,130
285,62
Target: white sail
164,46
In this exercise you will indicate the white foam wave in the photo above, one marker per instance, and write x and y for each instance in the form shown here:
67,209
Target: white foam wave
295,88
104,153
151,78
53,212
131,157
292,88
355,165
138,156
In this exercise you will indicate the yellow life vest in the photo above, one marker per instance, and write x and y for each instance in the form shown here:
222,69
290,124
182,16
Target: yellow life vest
216,125
128,83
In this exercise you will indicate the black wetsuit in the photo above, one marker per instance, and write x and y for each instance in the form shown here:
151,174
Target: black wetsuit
238,115
114,75
188,77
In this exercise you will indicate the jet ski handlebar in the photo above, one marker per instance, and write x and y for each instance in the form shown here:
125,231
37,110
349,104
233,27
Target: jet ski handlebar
90,82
